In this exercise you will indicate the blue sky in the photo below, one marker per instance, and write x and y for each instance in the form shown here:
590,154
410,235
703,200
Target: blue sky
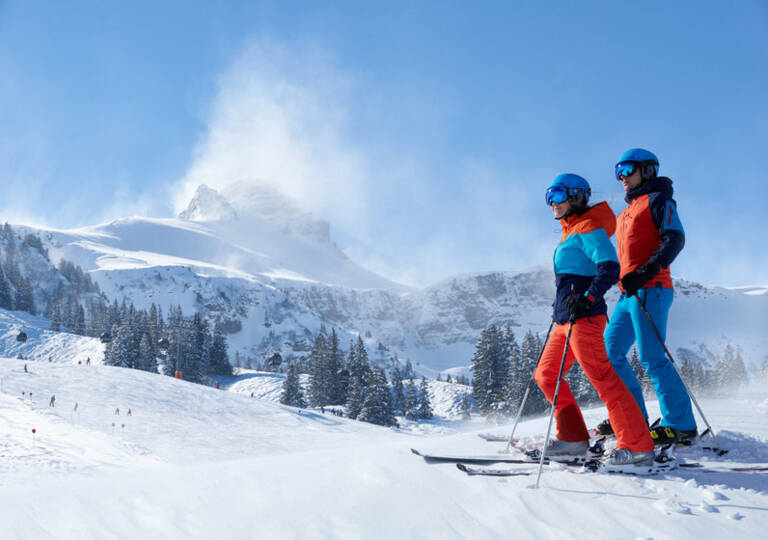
425,132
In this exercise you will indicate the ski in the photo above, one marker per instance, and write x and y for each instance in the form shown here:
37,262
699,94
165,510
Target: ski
587,468
590,467
530,456
448,458
490,437
488,471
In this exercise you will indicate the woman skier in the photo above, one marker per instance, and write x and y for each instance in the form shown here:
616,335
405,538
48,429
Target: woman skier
586,266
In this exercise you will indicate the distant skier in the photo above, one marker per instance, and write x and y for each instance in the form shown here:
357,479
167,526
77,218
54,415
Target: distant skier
117,411
25,369
649,237
88,361
75,409
130,413
586,266
52,402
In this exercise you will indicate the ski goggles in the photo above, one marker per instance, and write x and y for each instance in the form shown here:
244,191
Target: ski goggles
557,195
625,168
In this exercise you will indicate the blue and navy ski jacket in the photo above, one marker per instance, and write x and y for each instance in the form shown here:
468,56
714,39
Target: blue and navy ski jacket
585,260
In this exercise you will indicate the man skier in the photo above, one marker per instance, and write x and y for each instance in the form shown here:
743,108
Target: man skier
649,236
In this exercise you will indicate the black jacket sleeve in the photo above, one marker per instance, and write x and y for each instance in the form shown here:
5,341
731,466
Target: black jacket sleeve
664,212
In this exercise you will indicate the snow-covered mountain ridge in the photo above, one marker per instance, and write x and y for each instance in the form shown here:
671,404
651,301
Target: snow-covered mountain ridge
253,259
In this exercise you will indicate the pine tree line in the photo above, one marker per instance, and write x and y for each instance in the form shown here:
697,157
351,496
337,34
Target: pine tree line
141,339
729,372
66,305
352,381
501,369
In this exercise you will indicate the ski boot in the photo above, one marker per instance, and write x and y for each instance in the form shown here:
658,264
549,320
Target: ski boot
556,447
604,429
663,435
623,456
624,461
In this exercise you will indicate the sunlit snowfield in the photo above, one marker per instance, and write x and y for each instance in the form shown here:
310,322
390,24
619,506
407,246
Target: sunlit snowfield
196,462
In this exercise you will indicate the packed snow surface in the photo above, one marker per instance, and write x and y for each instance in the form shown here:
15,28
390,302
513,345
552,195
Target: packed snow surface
195,462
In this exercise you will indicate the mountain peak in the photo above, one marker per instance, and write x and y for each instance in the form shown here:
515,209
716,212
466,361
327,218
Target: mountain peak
245,200
208,205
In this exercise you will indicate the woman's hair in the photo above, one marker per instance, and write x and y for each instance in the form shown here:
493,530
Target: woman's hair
579,204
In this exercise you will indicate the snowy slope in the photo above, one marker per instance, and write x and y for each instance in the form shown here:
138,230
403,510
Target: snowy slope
195,462
42,344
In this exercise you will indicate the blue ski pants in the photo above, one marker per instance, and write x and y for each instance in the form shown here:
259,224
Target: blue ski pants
629,324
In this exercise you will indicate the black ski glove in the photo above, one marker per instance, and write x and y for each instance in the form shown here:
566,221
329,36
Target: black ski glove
634,281
577,305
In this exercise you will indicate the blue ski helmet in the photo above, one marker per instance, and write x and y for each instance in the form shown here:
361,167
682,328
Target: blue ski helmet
567,186
647,161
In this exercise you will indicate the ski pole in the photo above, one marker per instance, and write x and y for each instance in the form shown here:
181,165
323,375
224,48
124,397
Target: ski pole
554,402
671,360
528,389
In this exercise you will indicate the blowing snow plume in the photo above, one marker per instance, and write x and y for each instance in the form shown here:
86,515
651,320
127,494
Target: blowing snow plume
278,121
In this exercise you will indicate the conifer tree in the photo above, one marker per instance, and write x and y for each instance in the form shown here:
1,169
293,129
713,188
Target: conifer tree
411,401
687,369
6,300
465,408
398,392
78,326
408,370
292,394
731,373
55,318
146,360
490,366
699,378
198,361
637,367
377,405
424,407
219,359
25,298
317,372
530,349
359,374
482,372
335,390
517,379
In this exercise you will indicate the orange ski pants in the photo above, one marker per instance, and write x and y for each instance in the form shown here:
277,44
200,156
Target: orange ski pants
588,348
